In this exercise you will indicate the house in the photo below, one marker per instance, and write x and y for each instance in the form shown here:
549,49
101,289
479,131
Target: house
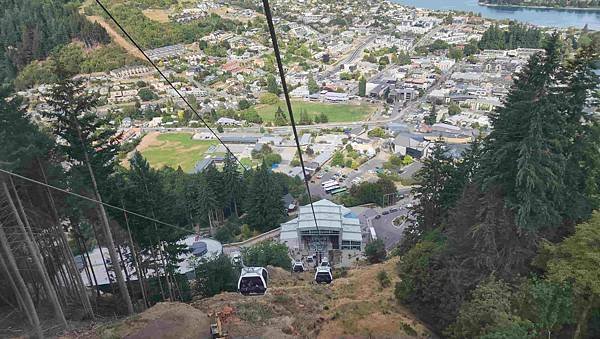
224,121
336,97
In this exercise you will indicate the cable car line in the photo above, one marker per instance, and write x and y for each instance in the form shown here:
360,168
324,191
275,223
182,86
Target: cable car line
269,17
94,200
169,82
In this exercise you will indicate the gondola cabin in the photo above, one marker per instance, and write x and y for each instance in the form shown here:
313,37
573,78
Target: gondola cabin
297,266
323,275
253,280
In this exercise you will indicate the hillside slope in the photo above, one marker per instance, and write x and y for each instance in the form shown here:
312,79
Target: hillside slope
355,305
352,306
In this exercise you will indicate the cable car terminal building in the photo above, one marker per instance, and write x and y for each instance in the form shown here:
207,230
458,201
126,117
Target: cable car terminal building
338,236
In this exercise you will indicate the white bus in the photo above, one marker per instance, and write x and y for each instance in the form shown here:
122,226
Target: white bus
328,182
331,188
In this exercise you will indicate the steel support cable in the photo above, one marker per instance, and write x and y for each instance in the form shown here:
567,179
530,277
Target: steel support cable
94,200
269,17
168,81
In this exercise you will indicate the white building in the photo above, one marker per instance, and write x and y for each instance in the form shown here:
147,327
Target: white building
338,235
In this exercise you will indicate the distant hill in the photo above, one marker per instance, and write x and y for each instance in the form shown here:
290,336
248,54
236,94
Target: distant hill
31,29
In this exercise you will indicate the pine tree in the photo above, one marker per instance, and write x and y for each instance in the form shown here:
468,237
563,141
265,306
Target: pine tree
313,87
362,86
272,85
264,207
232,182
280,118
90,149
524,152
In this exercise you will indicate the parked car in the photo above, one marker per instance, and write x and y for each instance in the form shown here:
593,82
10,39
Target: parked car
393,210
378,216
385,212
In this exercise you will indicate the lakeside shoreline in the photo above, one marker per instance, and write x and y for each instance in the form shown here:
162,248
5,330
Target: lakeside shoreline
579,9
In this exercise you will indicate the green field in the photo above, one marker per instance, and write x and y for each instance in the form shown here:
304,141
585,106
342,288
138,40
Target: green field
176,149
335,112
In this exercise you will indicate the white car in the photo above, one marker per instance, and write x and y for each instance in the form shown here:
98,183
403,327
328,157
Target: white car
325,261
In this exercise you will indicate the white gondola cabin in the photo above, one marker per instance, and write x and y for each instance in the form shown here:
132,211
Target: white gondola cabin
253,280
297,266
323,275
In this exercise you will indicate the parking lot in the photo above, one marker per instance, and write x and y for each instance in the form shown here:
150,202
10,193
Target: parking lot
383,223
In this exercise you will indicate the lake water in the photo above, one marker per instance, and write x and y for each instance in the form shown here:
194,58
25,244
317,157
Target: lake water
536,16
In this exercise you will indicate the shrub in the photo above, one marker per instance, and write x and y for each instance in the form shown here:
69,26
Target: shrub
375,251
384,279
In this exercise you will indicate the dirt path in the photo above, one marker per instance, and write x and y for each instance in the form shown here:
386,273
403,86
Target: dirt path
121,41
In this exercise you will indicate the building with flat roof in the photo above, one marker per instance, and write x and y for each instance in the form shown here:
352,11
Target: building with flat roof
338,235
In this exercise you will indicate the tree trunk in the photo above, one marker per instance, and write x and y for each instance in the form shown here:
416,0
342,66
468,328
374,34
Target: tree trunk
107,232
70,260
35,255
157,274
106,269
581,322
28,302
135,259
15,289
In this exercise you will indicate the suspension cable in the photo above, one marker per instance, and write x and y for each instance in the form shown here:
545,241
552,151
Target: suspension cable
168,81
269,17
93,200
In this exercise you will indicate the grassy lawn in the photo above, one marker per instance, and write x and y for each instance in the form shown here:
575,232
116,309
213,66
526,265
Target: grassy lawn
176,149
335,112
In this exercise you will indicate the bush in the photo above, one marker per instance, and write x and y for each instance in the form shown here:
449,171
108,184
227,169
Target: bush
384,279
267,253
375,251
215,276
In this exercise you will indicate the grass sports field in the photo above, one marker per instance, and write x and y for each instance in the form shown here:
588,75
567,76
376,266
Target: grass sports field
173,149
335,112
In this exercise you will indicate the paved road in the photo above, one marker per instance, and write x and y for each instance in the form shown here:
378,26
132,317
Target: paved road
384,227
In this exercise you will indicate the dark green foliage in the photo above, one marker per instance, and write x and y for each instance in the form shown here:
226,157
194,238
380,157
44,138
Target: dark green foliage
375,251
228,232
305,119
280,117
272,85
152,34
362,86
34,28
527,154
267,253
313,87
264,207
516,36
146,94
367,192
434,192
215,276
244,104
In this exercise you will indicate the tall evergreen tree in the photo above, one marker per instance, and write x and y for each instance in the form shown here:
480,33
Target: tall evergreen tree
233,184
524,152
265,209
88,142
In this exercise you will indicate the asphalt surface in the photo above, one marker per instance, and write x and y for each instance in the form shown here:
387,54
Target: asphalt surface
384,226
